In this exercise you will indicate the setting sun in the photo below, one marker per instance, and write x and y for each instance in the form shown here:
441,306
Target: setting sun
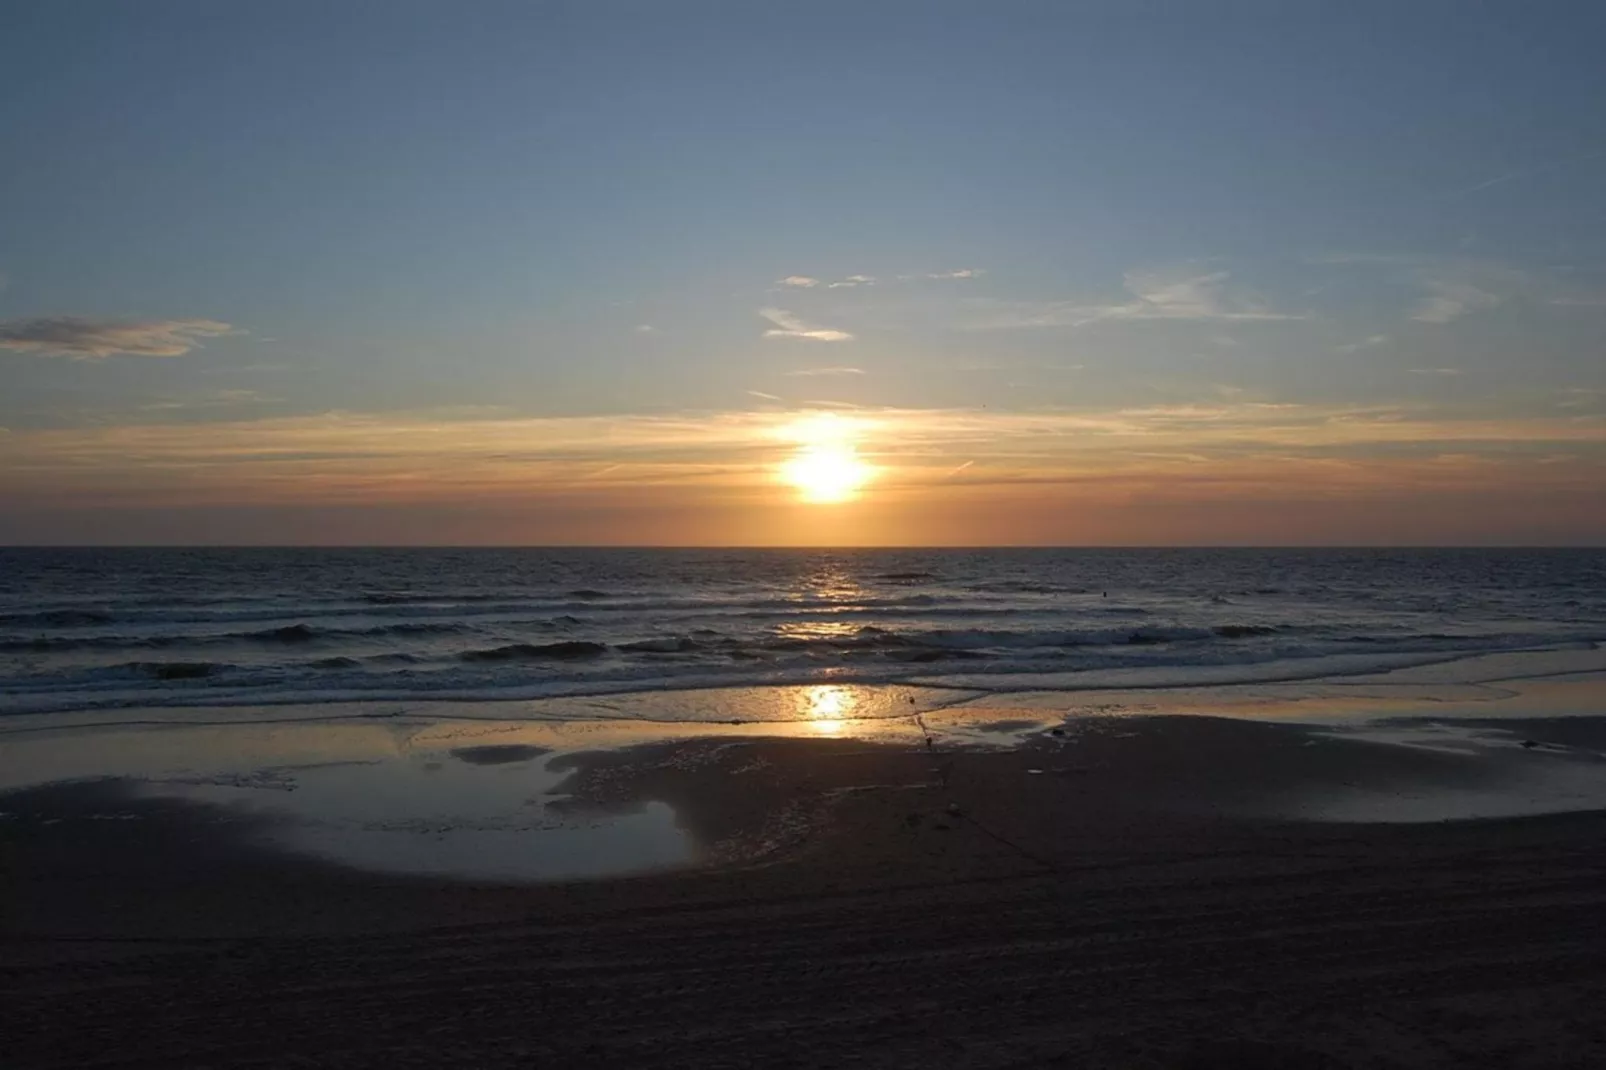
826,466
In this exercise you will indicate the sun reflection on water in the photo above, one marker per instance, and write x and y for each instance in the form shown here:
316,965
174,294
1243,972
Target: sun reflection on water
828,708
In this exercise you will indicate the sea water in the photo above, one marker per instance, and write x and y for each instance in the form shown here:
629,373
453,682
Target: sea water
85,629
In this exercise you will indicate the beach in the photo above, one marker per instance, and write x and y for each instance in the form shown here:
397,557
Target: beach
923,536
1310,876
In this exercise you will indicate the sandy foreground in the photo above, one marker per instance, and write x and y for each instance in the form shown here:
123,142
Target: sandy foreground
1138,892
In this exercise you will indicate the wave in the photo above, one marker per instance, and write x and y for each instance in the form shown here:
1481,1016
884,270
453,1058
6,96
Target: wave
929,645
286,634
59,644
1024,587
339,662
1112,669
170,670
570,650
700,641
675,644
980,639
301,633
581,601
290,633
57,618
1243,631
404,598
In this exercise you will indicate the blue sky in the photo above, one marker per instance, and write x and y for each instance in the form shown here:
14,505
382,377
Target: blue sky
466,265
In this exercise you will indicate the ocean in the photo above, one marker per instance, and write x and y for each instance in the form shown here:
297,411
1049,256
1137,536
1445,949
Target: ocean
85,629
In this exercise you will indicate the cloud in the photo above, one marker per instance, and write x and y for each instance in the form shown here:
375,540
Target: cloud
1219,447
1580,397
789,326
83,338
1450,298
838,370
1369,342
766,397
1452,287
1526,172
1170,295
848,282
645,328
1435,371
1156,295
209,400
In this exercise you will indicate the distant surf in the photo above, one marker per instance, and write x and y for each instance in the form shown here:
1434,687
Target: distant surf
93,629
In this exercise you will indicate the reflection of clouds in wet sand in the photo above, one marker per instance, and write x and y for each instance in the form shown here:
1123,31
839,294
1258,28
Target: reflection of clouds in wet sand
470,801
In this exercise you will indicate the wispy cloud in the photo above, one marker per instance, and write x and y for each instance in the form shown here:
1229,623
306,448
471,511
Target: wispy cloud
214,399
1525,172
848,282
1172,295
835,370
645,328
766,397
1371,341
1220,450
1581,397
788,325
1449,288
84,338
1435,371
1155,295
1450,298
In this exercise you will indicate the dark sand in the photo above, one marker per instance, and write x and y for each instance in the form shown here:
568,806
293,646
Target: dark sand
1134,903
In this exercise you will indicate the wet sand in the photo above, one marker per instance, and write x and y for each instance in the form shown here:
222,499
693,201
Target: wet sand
1137,892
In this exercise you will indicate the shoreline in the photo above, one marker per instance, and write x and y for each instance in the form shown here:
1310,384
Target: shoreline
465,803
986,887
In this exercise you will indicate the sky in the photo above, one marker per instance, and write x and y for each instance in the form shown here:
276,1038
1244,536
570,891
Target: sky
907,272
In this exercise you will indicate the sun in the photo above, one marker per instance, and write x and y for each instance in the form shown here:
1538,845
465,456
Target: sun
825,466
826,473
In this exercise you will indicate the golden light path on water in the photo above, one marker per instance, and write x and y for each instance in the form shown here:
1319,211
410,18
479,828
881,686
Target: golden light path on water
828,708
825,466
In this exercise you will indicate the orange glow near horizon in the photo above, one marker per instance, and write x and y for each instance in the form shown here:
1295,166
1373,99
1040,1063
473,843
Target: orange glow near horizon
1229,472
826,467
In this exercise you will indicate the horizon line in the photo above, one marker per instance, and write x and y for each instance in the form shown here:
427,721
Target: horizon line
805,546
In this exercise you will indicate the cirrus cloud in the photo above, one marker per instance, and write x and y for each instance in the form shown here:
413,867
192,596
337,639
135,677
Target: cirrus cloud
1173,294
789,326
86,338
